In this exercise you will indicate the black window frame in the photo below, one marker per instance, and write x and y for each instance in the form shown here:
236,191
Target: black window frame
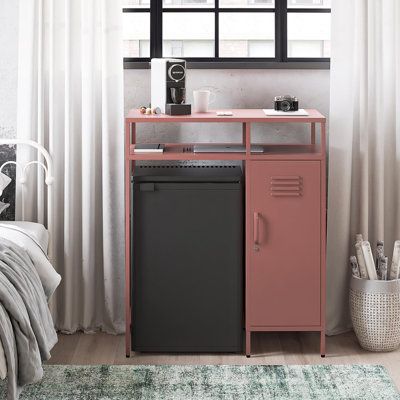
280,61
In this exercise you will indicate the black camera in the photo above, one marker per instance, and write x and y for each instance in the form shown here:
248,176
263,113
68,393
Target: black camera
286,103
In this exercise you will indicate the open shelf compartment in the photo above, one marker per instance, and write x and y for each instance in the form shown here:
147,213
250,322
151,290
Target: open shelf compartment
184,151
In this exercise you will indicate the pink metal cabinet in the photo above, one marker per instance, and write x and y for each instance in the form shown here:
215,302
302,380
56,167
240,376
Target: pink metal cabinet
284,275
286,187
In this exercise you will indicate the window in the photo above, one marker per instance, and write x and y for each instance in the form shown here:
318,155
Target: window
194,32
136,35
229,33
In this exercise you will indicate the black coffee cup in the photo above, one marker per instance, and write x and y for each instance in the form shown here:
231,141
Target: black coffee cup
178,95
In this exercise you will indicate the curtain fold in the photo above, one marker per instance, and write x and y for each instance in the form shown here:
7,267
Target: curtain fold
70,90
364,161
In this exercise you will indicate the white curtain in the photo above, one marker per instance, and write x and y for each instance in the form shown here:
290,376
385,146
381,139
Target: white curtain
70,98
364,166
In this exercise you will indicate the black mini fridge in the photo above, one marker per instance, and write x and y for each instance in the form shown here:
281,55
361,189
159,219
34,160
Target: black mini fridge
187,252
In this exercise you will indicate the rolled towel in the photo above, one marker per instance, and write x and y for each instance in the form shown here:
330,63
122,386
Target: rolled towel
369,260
379,253
394,268
361,261
383,264
355,270
359,238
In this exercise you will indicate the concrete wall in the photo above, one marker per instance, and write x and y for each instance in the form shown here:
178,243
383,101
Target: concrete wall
235,89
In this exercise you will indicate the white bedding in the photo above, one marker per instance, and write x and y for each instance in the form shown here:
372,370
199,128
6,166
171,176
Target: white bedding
3,364
33,238
37,232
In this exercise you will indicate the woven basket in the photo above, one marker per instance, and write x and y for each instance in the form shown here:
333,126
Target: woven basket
375,312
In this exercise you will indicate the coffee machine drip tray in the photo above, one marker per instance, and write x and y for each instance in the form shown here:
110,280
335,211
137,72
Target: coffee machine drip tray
178,109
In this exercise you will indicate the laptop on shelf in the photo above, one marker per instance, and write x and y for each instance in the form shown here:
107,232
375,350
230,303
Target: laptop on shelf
225,148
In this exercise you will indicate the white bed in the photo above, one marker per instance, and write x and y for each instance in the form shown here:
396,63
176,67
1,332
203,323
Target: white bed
32,230
33,237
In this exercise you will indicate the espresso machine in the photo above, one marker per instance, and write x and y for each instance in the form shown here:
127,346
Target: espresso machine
168,86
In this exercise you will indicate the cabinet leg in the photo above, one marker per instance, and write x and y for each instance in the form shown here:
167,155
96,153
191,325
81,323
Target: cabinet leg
127,345
248,343
323,344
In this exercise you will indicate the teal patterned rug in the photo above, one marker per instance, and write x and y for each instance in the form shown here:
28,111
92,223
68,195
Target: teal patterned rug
206,382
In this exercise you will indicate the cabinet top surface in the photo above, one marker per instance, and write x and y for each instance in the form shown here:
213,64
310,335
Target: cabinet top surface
239,115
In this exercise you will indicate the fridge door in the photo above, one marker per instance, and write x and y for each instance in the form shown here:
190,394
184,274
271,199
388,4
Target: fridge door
187,275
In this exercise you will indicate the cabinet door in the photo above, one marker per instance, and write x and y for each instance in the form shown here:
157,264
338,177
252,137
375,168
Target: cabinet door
284,276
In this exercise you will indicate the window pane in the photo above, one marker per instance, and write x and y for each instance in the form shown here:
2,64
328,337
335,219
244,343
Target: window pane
247,3
136,34
247,34
188,3
188,34
309,34
261,48
309,3
136,3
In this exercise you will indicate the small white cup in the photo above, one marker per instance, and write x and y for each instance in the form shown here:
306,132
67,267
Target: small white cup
202,99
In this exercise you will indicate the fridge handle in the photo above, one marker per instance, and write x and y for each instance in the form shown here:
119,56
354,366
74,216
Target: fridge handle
256,222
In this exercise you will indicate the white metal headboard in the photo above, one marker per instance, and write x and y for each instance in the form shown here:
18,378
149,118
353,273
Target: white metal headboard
47,166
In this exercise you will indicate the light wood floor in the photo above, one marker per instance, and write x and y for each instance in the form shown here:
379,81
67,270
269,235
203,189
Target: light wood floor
268,348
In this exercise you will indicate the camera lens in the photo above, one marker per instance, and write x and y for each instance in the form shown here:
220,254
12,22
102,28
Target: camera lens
285,105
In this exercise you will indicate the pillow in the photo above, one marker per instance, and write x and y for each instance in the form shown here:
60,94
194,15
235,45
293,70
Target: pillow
48,275
4,182
37,232
3,206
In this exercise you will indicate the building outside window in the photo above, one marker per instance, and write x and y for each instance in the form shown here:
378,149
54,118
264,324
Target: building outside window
243,30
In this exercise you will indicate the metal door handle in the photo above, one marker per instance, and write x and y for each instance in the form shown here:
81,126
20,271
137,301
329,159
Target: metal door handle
256,222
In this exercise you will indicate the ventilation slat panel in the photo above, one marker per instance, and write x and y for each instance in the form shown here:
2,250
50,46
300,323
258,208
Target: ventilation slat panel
286,186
